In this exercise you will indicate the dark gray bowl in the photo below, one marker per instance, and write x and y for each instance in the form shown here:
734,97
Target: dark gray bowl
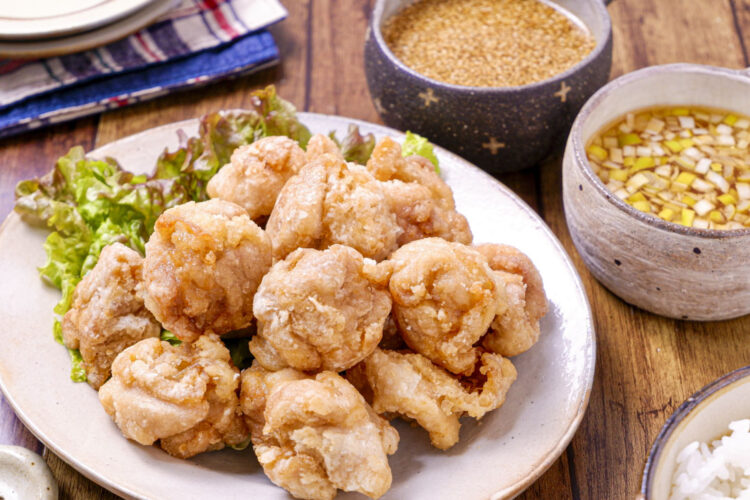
501,129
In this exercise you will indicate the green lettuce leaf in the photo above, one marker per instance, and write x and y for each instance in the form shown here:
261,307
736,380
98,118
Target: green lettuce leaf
199,158
278,117
170,337
77,373
417,145
241,446
238,349
57,331
89,204
355,147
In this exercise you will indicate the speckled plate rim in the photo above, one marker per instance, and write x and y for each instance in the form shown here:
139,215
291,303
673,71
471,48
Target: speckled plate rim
589,356
376,21
683,415
582,162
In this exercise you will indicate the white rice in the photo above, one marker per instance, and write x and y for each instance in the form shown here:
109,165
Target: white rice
715,471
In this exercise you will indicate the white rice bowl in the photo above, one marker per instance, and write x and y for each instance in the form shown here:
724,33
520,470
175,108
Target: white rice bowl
716,471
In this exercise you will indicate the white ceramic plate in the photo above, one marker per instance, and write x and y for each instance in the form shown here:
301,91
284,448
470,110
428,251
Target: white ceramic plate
34,19
497,458
37,48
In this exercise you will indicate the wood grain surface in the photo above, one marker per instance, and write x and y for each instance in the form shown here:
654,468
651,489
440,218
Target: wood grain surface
646,365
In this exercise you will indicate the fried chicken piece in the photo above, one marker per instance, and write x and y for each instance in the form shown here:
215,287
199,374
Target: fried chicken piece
314,435
319,145
330,202
444,299
297,218
387,163
422,201
256,174
420,217
256,384
320,310
204,262
107,313
185,396
412,386
516,329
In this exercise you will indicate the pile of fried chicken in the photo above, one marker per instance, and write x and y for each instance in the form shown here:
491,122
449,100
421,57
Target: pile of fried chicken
364,296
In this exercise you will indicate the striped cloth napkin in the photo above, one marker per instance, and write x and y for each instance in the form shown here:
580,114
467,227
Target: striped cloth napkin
196,42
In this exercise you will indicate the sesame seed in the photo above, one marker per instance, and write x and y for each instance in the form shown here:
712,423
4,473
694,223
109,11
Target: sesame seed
486,43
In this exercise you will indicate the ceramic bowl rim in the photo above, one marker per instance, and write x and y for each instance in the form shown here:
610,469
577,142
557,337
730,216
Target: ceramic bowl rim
685,409
582,162
35,477
374,31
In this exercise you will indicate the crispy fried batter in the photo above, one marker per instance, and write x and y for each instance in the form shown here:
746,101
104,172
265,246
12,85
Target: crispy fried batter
257,383
329,202
422,201
420,217
387,163
412,386
319,145
316,435
444,299
204,262
319,310
297,219
184,395
256,174
355,213
107,314
517,328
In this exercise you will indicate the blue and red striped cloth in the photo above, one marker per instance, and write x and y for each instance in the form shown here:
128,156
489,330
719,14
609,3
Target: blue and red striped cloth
196,42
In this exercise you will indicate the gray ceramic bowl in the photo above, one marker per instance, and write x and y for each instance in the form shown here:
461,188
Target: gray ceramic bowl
501,129
704,416
662,267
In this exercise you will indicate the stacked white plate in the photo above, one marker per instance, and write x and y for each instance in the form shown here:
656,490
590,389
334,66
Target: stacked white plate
45,28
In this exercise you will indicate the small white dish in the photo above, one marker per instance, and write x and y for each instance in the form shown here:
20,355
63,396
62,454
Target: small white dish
704,417
35,19
38,48
496,458
25,475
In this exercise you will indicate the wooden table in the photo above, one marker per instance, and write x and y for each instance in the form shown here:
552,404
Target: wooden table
646,365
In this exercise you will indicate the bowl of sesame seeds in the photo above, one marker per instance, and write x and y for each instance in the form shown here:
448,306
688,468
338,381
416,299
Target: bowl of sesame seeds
497,81
656,190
